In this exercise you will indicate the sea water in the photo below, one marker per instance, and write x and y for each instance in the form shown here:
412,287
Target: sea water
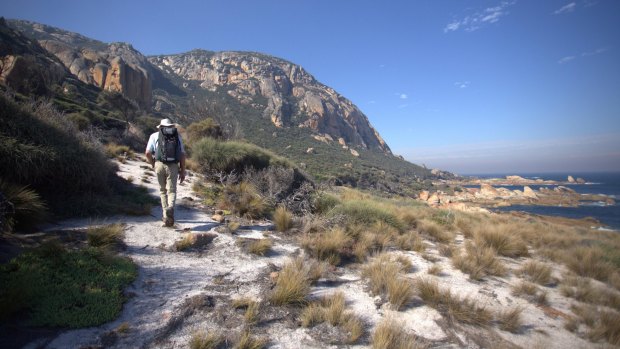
605,183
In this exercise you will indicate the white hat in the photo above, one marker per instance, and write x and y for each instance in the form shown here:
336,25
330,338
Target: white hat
165,123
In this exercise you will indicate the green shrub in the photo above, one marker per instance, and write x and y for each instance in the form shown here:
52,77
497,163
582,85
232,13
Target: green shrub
367,212
217,156
202,129
65,288
323,202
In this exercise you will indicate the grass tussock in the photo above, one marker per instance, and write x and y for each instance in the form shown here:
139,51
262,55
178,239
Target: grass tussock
193,240
410,241
435,230
434,269
385,276
294,282
389,334
260,247
601,324
589,262
252,313
331,246
21,208
367,212
537,272
106,236
332,309
503,238
323,202
248,341
243,199
478,261
203,340
116,151
282,219
530,292
510,320
454,308
583,290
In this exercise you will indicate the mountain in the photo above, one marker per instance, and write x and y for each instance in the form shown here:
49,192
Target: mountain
263,99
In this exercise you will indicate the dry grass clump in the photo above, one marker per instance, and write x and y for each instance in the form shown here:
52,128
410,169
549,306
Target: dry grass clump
121,152
204,340
294,281
247,341
384,274
260,247
367,212
602,324
329,246
435,231
582,290
410,241
191,240
478,261
434,269
466,224
454,308
389,334
530,292
243,199
588,261
106,236
504,238
331,309
251,313
614,280
282,219
537,272
510,319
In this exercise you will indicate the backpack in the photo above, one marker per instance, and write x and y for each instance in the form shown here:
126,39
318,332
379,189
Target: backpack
168,145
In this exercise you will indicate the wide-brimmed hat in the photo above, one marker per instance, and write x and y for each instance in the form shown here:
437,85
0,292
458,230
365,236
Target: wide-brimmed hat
165,123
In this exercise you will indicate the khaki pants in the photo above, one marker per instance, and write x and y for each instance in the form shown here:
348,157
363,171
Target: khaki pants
167,175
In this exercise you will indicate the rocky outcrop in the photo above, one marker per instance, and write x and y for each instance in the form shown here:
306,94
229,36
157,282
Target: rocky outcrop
25,66
529,193
115,67
292,97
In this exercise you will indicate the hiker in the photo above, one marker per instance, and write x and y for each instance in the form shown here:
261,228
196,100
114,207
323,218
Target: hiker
166,155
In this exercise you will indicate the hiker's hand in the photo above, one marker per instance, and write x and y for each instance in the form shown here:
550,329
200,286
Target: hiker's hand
181,176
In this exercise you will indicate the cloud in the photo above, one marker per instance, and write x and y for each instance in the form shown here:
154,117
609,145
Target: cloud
381,66
479,19
401,106
583,55
566,59
594,53
570,7
403,96
462,84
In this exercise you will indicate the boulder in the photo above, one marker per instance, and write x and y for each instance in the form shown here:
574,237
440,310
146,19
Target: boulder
218,218
310,150
580,181
488,190
434,199
354,152
529,193
515,178
571,179
424,195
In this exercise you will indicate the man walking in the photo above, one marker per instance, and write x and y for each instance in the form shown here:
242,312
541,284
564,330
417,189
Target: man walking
166,155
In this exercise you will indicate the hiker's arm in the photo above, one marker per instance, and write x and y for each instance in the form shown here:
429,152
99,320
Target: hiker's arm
149,158
182,168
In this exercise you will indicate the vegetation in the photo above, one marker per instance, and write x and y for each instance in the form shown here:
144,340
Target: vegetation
65,288
293,284
204,340
283,219
331,309
478,261
21,209
106,236
390,335
510,319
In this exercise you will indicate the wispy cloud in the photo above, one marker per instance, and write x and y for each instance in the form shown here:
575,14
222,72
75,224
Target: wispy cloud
462,84
403,96
566,59
582,55
401,106
381,66
479,19
570,7
594,53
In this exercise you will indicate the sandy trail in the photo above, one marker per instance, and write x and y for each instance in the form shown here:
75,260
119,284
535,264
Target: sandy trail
168,278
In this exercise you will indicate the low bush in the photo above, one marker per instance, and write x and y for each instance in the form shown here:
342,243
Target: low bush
588,261
367,212
201,129
411,241
62,288
323,202
436,231
21,209
216,156
504,238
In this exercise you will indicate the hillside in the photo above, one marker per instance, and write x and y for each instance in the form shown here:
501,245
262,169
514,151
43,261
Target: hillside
262,99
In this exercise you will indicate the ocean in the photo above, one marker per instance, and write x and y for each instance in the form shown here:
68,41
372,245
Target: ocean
597,183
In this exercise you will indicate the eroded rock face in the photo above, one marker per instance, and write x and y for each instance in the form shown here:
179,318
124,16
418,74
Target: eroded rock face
115,67
293,97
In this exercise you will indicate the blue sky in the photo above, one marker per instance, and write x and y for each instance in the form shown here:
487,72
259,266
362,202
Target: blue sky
466,86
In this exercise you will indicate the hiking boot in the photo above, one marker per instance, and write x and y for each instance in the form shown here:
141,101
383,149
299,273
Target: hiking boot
169,220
